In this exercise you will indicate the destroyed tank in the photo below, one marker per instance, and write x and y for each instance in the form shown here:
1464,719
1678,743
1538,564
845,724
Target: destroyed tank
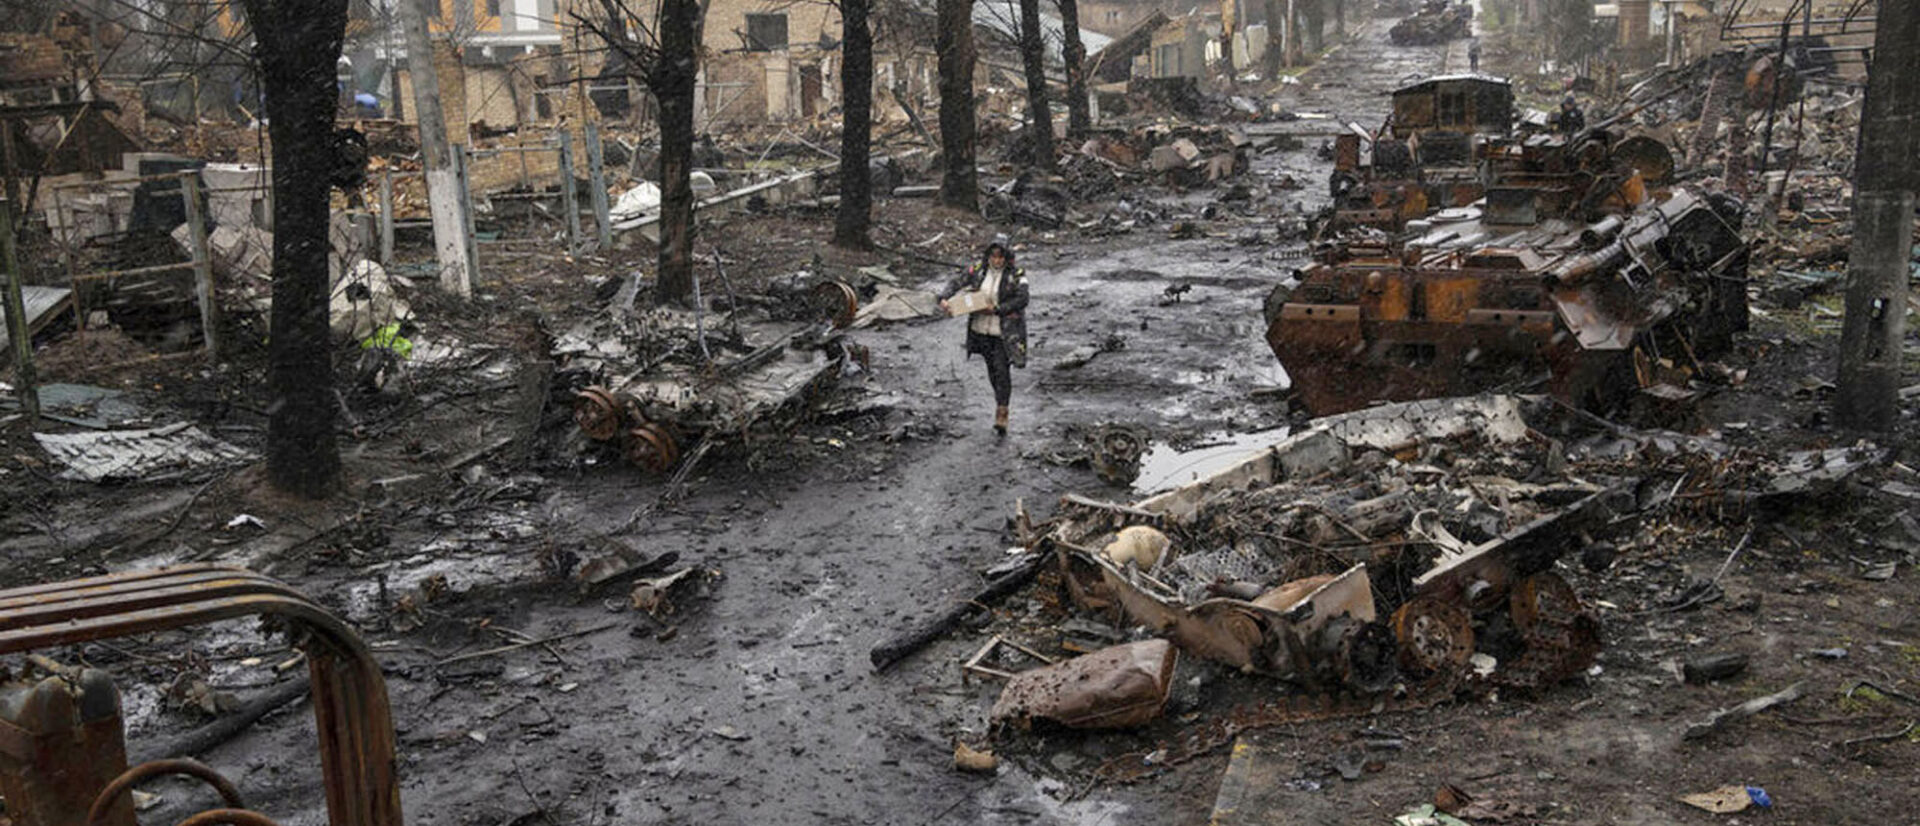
1437,22
1451,141
1425,157
1493,296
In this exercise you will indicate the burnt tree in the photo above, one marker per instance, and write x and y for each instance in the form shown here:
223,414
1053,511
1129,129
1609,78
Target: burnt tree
1276,36
953,43
296,45
1033,51
1313,15
666,60
856,133
1074,53
673,87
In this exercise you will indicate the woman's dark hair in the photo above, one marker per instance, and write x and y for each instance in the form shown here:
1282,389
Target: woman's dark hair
986,255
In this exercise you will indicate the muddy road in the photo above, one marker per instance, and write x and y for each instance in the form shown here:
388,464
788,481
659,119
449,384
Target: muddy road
752,700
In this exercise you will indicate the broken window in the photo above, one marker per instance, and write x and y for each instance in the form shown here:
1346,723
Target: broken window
1452,109
1170,60
766,32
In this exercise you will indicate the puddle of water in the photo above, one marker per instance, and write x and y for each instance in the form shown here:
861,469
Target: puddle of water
1163,468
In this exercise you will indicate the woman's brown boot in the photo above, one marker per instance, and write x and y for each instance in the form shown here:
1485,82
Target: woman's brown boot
1000,420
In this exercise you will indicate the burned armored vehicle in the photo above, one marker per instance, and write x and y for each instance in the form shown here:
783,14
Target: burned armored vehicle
1438,21
660,387
1496,296
1425,157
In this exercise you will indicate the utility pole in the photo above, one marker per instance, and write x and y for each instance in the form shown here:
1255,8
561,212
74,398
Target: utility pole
443,178
1884,177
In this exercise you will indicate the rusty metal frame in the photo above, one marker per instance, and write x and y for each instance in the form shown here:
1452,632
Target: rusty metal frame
350,706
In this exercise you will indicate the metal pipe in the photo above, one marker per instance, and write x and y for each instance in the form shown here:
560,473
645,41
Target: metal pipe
1824,21
233,817
1602,232
1579,267
147,771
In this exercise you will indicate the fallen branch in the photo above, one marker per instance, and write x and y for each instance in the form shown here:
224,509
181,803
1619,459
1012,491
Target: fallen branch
1737,548
470,456
1878,738
204,738
896,649
178,518
1719,719
519,645
1859,684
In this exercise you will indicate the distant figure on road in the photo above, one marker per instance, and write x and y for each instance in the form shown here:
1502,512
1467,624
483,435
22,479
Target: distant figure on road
997,331
1572,120
1473,55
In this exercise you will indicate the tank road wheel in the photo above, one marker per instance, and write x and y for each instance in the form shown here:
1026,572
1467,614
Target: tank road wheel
836,302
1543,601
652,447
1562,638
598,412
1435,636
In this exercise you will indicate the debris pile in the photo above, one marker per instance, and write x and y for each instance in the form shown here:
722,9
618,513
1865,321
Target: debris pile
1384,559
647,382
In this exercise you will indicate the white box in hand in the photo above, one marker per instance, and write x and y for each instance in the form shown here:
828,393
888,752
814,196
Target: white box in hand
971,301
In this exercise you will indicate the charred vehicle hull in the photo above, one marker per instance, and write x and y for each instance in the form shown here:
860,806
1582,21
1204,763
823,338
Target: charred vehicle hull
1344,618
1436,23
1598,310
1425,157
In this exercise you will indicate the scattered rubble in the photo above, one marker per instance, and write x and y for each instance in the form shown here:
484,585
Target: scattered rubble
1430,557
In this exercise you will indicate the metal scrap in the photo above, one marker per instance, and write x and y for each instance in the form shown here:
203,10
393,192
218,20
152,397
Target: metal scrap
148,454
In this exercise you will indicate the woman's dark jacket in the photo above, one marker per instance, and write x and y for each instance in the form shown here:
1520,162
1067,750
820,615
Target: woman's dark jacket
1010,305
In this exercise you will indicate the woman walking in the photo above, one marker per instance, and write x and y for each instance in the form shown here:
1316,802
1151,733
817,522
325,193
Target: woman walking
997,332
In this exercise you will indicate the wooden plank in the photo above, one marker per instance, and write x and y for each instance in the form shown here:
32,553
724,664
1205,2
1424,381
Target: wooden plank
43,304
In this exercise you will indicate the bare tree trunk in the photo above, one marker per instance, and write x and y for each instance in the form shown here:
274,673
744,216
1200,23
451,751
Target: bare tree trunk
953,42
1039,117
1295,48
1874,331
1315,13
673,87
1075,54
298,45
856,134
1276,36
